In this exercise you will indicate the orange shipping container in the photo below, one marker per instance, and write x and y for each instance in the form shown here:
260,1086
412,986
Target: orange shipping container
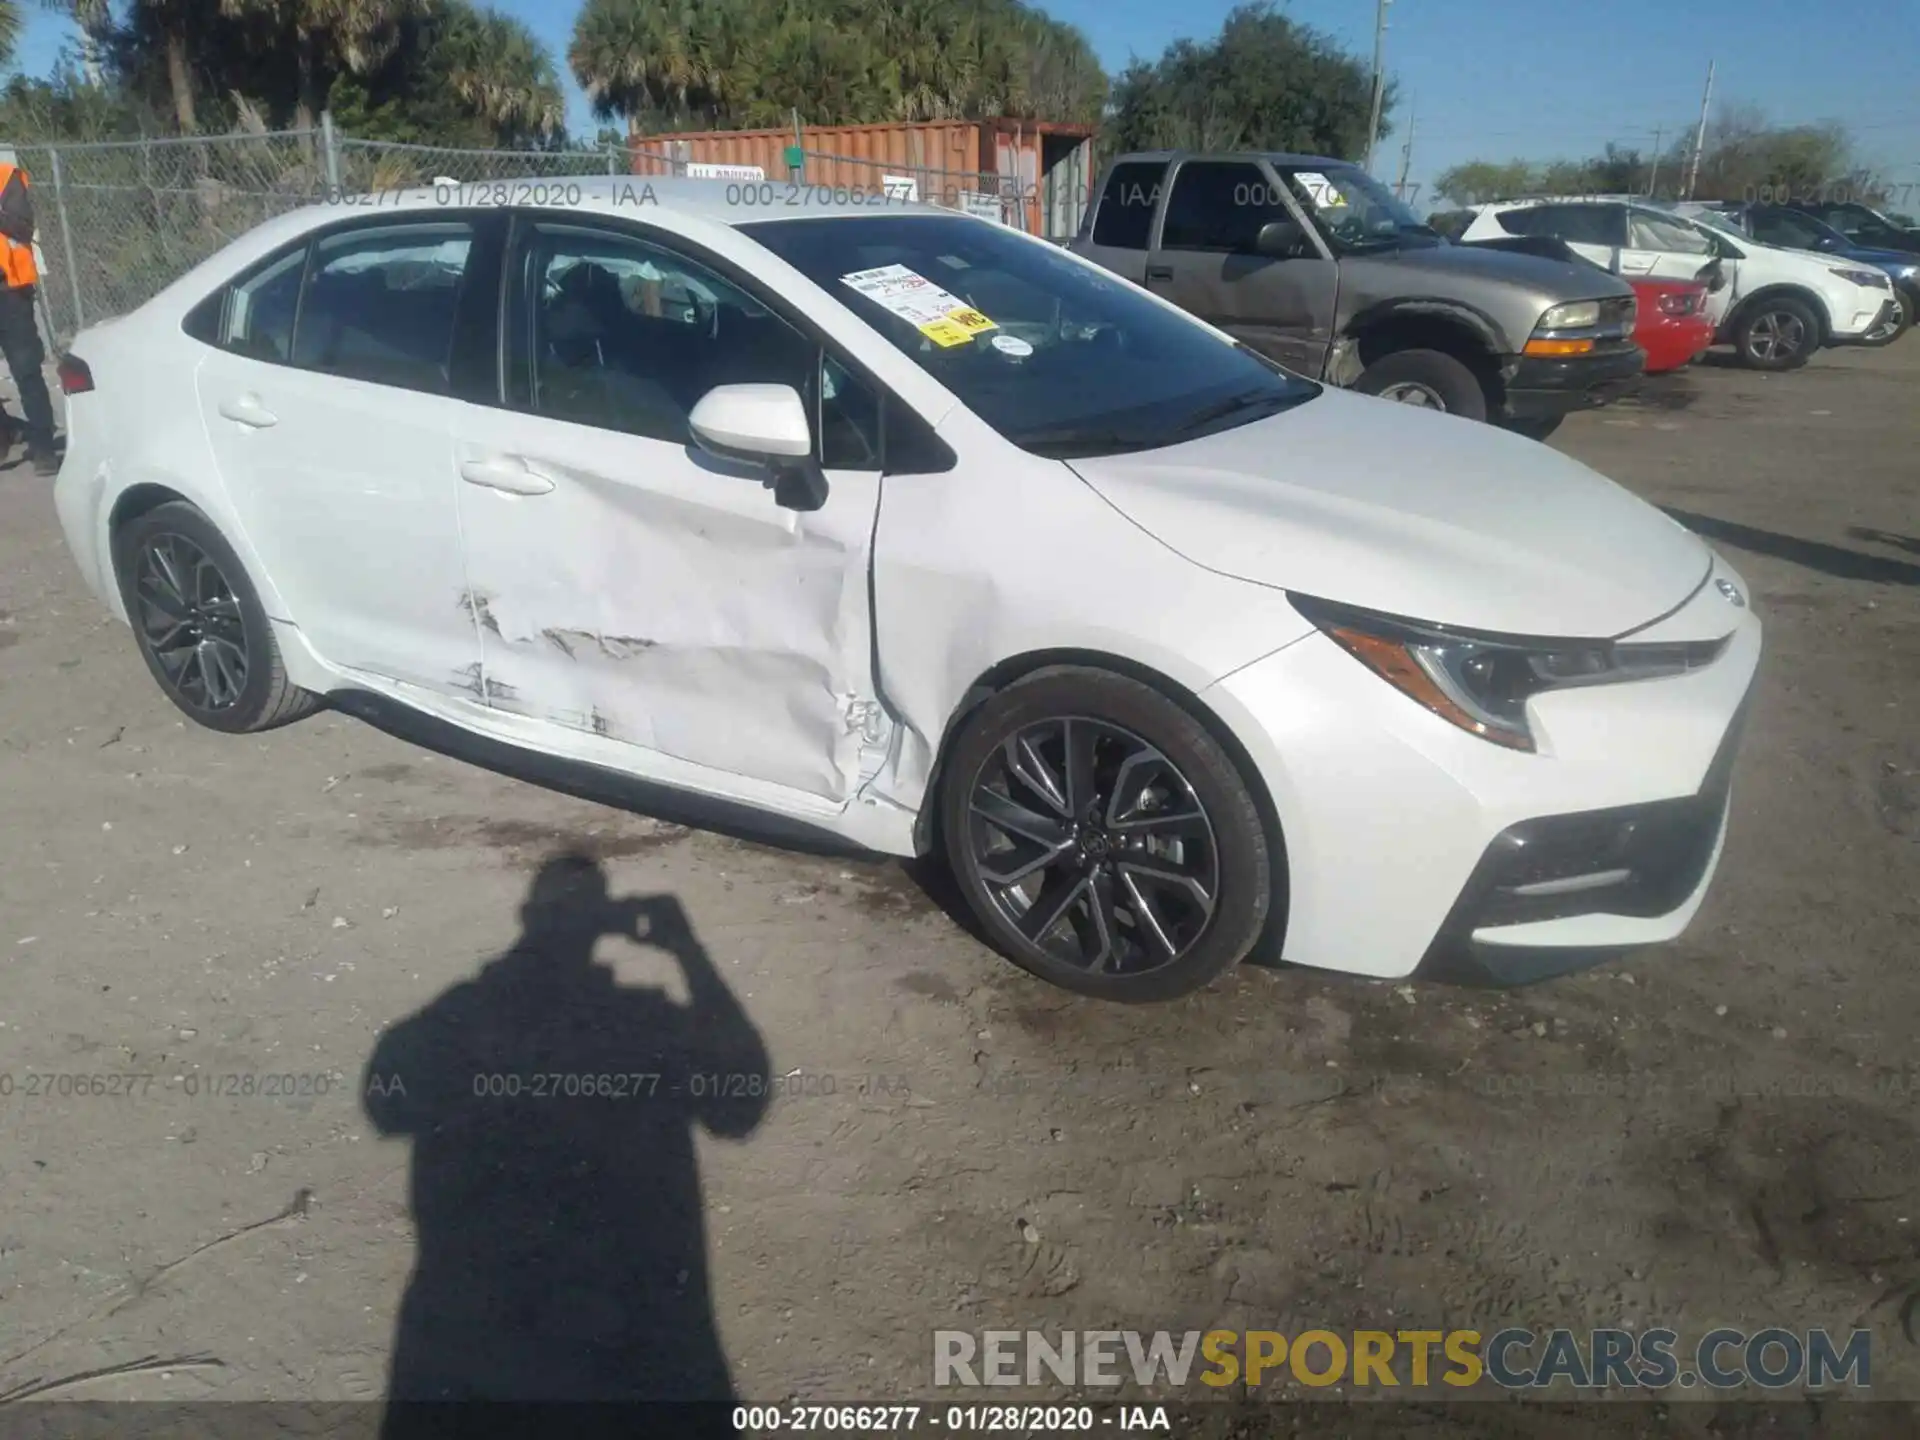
1040,172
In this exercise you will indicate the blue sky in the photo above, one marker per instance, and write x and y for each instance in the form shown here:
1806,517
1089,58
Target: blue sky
1533,79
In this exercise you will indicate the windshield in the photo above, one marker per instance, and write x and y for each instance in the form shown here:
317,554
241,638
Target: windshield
1057,355
1356,211
1864,226
1794,231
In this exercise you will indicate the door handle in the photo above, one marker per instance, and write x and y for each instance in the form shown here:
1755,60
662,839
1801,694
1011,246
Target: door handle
1159,272
509,474
247,410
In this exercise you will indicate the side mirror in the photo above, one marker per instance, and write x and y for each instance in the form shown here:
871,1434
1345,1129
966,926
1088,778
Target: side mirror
765,428
1282,240
1827,242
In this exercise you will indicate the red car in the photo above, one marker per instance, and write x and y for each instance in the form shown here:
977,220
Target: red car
1673,326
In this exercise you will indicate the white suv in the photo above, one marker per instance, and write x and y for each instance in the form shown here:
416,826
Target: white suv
1774,306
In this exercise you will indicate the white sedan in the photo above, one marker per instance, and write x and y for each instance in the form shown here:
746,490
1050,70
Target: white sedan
899,525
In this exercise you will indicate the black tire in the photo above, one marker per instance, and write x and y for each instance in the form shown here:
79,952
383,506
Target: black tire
1776,334
1139,917
192,659
1535,429
1903,322
1443,379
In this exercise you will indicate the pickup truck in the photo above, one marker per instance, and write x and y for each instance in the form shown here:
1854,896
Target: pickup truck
1316,265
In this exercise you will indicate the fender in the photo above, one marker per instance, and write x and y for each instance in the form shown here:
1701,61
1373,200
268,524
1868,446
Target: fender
1476,323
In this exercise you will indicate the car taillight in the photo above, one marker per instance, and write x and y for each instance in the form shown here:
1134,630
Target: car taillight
1678,304
75,377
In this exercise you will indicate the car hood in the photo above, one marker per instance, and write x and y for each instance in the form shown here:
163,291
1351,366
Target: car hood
1412,513
1553,280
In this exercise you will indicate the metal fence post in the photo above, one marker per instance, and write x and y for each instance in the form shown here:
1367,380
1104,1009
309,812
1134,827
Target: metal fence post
329,143
66,241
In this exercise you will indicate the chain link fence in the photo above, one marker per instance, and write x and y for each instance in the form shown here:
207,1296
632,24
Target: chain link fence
121,220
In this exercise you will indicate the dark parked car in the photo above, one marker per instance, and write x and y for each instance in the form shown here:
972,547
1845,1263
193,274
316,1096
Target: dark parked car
1864,225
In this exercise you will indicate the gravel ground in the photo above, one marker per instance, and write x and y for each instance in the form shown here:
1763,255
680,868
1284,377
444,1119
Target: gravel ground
274,930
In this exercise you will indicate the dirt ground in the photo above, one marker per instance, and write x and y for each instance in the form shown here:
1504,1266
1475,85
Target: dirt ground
272,930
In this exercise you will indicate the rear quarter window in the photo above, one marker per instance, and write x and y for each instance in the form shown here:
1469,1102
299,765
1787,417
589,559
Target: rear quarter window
1127,202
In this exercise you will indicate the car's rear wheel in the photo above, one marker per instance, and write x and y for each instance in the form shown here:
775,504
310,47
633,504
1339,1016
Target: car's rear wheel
200,625
1896,324
1777,334
1429,379
1103,837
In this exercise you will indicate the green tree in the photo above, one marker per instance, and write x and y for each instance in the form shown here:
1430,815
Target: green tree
1478,181
499,70
1265,82
728,64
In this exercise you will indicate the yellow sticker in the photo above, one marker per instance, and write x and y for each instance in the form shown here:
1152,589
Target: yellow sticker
946,332
972,321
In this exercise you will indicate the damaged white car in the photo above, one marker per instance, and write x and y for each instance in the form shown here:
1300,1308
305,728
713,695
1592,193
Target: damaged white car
915,530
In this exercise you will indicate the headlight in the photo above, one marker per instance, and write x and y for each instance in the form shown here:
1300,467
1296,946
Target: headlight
1872,279
1578,316
1482,683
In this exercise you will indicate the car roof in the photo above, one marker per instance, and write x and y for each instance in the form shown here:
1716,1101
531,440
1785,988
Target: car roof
726,202
1523,202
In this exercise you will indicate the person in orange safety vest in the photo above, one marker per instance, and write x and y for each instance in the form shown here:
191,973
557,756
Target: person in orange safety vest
19,333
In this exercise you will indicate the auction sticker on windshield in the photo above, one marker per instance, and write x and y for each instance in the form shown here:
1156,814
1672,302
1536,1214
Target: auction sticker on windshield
940,315
1320,190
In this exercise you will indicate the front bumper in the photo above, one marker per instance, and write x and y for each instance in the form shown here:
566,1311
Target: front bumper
1401,831
1865,322
1543,389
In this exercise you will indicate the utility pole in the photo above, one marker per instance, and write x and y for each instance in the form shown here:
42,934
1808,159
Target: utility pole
1379,76
1700,137
1406,160
1653,176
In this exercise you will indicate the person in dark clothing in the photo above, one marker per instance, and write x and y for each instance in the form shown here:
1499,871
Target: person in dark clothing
19,331
555,1190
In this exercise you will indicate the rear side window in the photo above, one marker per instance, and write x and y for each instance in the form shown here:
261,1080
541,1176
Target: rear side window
1576,224
1127,203
1220,205
261,311
379,304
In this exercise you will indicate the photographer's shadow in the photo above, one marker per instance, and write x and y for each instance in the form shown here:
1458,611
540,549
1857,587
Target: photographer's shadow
562,1249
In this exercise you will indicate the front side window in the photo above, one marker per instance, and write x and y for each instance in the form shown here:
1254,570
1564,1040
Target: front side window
1125,214
612,331
1056,354
1355,211
378,304
1650,231
1220,205
260,311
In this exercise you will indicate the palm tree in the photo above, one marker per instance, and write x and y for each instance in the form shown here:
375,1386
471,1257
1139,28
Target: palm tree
636,57
327,37
500,71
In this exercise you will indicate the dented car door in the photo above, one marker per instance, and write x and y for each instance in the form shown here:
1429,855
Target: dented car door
631,587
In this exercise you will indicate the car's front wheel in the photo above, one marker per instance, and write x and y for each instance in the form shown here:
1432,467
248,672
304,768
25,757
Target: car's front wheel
200,625
1104,838
1429,379
1777,334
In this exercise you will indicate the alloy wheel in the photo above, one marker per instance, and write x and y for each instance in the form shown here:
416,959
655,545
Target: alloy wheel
190,620
1776,335
1093,846
1411,392
1897,316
